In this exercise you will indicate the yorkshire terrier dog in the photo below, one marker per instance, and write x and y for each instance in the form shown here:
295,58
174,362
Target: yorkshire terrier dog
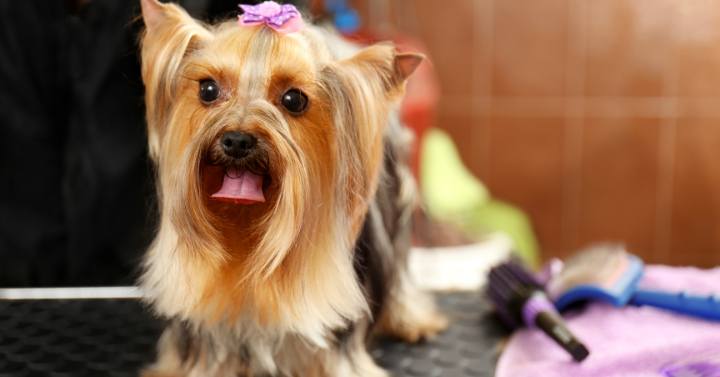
285,203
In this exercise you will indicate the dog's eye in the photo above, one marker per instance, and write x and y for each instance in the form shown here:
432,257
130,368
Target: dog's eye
294,101
209,91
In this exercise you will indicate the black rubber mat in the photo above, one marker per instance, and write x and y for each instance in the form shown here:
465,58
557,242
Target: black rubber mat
115,338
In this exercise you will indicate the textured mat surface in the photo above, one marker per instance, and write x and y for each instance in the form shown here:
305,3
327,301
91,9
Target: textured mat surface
114,338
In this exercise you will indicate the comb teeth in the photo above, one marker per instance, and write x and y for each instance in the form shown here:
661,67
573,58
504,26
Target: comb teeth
508,283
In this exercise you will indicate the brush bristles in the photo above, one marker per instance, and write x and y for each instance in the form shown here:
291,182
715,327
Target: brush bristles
508,283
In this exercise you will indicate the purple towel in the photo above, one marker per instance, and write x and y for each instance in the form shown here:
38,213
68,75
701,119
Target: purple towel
628,342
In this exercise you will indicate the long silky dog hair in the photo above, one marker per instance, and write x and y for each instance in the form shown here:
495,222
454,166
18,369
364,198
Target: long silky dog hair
294,284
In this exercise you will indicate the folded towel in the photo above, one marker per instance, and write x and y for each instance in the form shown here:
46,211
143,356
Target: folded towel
630,341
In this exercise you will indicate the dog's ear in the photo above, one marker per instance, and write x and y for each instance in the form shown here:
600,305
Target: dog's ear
152,13
170,35
385,63
406,63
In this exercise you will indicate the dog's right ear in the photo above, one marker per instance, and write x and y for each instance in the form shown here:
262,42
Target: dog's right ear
170,35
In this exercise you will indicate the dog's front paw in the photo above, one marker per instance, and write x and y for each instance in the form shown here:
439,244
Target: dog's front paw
412,321
421,328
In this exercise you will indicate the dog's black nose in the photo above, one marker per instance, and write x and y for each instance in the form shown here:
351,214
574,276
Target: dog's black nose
237,144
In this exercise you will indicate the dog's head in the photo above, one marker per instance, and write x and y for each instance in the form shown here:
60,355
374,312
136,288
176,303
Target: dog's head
268,149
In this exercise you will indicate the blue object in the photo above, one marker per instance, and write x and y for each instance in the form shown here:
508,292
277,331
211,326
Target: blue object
625,291
345,18
618,294
347,21
707,307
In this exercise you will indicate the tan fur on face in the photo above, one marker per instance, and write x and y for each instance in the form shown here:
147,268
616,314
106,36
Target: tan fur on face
283,266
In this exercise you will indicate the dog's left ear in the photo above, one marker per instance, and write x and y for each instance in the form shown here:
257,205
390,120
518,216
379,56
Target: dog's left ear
406,63
387,64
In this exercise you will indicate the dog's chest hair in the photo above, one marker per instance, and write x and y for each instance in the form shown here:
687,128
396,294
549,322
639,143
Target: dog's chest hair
251,348
221,350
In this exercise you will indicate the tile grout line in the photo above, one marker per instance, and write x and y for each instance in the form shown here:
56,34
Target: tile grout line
489,71
666,160
664,201
483,25
666,165
574,112
601,107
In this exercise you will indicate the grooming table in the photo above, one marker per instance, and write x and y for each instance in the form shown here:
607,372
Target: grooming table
116,337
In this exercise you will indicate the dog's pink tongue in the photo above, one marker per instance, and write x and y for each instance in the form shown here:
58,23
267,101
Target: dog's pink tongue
241,187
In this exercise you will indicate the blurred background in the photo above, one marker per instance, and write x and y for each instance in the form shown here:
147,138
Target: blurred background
599,119
558,122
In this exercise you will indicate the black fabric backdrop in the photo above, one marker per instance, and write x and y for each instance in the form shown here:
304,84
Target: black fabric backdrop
77,202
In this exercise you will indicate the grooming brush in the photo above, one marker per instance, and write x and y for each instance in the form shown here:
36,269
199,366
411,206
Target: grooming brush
520,300
609,273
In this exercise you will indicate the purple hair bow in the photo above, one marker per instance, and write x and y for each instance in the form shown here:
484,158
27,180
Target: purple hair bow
283,18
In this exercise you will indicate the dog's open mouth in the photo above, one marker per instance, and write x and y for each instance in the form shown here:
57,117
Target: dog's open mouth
240,186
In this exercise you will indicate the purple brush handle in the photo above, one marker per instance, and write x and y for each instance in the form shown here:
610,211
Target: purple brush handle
536,304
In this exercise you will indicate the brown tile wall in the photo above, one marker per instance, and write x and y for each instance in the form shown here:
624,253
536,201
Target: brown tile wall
600,118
